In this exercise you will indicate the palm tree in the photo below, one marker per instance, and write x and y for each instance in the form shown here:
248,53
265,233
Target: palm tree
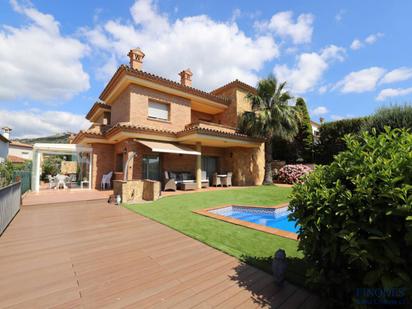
271,117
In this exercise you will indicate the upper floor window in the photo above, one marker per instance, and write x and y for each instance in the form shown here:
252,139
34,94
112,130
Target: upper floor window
159,110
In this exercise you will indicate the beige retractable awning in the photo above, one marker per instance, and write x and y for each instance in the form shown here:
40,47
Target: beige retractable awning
169,148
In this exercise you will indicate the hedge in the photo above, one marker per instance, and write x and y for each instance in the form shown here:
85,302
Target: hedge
355,219
331,136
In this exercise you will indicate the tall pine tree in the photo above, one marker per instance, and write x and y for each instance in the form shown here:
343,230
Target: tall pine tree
304,138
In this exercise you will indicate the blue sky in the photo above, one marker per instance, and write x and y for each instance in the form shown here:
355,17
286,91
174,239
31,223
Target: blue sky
346,58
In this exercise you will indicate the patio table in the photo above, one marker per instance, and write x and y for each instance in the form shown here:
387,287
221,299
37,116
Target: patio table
61,180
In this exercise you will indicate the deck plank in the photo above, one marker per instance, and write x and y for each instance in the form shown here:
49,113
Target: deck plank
94,255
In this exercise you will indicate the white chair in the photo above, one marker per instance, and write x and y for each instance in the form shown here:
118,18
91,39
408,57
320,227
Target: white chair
106,181
61,181
52,182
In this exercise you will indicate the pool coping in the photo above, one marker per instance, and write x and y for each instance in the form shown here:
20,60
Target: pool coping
261,228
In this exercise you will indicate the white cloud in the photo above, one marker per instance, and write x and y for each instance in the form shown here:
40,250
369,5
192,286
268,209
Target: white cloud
397,75
323,89
320,110
370,39
393,92
337,117
339,16
360,81
34,123
37,62
340,117
283,25
356,44
309,68
216,52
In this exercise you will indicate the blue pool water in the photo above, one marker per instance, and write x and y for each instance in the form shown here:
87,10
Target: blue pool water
277,218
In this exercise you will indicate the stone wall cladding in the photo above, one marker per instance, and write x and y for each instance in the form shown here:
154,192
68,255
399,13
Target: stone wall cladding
180,108
103,156
135,191
229,116
243,104
151,190
135,165
247,165
239,104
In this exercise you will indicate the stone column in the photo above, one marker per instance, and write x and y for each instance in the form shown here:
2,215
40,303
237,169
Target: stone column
198,167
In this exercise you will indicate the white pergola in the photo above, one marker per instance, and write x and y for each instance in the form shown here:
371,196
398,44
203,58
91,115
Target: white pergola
55,149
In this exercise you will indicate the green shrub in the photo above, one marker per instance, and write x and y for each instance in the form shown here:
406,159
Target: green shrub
355,216
396,116
300,149
51,166
6,173
331,138
304,138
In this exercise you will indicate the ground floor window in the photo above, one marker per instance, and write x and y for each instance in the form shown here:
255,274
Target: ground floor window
209,165
151,167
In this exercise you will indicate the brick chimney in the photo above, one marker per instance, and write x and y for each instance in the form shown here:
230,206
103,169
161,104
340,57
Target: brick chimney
186,77
136,58
6,132
322,120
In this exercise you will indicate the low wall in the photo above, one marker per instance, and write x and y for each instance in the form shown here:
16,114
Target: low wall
10,198
135,191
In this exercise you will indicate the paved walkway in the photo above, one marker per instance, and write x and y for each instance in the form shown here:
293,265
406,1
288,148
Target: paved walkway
95,255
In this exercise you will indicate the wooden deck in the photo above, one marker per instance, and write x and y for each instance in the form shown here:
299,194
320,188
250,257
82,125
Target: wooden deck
95,255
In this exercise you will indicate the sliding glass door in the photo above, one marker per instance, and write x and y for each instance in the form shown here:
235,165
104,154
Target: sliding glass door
151,167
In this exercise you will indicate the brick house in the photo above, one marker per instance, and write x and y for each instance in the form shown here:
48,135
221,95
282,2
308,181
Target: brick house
170,126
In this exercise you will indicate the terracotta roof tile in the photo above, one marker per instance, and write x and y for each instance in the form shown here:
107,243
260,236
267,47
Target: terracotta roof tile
15,159
204,128
95,107
19,144
235,83
161,80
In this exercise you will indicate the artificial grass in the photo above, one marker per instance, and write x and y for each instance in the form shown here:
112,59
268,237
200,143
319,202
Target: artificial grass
253,247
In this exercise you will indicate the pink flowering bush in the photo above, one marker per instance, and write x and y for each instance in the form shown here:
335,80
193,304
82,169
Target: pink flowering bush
292,173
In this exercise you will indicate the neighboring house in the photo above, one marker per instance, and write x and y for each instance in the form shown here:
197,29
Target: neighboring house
315,127
171,127
19,152
4,144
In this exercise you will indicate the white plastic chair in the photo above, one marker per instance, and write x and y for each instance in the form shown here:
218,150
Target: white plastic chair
106,181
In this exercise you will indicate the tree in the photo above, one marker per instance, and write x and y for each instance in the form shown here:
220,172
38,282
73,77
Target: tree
304,138
271,117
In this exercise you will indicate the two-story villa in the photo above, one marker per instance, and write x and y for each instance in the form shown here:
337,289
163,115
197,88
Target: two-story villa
170,126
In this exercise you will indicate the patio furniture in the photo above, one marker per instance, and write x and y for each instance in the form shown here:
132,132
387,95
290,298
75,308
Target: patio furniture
106,181
226,180
52,182
61,181
169,182
216,180
185,186
83,182
205,180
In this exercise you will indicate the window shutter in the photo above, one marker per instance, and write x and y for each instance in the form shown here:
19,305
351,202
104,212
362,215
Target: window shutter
159,110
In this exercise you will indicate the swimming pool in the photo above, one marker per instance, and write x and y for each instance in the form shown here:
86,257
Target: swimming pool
270,217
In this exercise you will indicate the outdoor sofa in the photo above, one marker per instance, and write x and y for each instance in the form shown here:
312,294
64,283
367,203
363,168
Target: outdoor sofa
182,181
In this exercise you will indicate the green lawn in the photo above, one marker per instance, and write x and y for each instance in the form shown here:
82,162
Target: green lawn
248,245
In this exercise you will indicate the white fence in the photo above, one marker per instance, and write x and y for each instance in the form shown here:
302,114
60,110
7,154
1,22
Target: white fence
9,204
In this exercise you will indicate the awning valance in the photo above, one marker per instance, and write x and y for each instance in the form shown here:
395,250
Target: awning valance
169,148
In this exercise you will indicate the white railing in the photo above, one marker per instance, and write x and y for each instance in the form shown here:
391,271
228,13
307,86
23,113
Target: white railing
10,198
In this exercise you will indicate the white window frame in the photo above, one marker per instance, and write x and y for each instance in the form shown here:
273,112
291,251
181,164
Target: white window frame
158,110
